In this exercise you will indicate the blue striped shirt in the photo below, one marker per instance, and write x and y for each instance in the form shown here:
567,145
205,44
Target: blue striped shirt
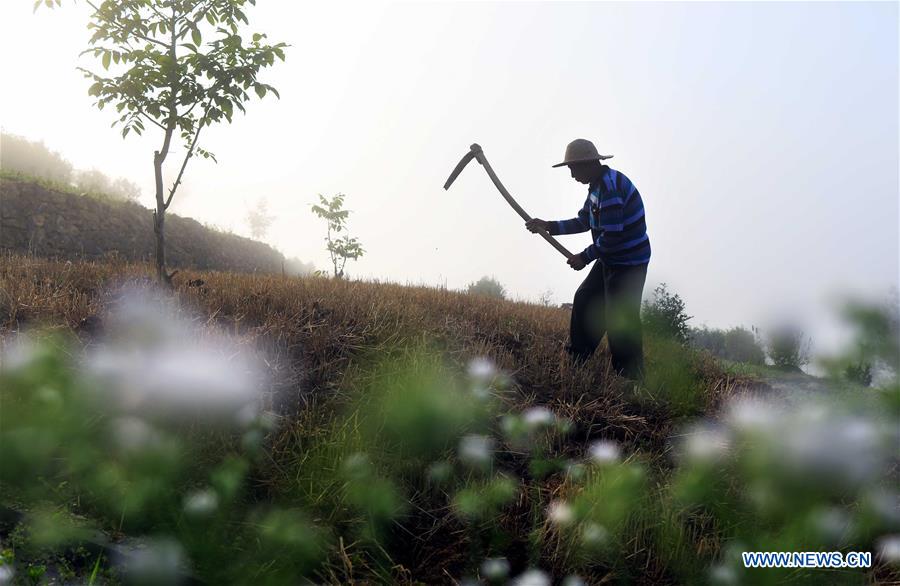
614,213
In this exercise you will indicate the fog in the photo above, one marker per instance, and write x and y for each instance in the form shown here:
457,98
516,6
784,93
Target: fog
763,138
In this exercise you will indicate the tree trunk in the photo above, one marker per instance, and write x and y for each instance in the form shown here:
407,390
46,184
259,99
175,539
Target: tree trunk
159,216
159,222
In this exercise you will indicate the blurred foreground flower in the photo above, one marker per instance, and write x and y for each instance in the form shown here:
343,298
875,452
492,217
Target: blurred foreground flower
532,578
160,561
476,450
495,569
604,452
151,362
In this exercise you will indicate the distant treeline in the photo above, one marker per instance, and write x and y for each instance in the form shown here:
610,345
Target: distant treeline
20,155
738,344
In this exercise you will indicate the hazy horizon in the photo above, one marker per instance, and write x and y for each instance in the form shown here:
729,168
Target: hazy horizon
763,138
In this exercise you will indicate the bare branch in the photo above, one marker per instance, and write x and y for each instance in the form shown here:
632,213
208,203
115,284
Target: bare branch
150,118
187,157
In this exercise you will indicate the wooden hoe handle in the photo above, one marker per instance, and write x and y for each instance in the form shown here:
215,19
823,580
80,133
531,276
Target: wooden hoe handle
476,152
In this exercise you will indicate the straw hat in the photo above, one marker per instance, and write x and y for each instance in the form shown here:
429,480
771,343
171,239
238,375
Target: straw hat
580,150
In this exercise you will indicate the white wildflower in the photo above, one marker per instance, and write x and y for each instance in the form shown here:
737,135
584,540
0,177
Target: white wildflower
848,449
154,364
538,417
476,450
482,369
833,524
495,569
201,503
706,444
594,534
889,548
156,562
886,505
560,513
532,578
752,415
604,452
133,434
722,574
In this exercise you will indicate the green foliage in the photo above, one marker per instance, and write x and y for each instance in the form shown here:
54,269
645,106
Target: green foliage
670,380
876,351
860,372
487,286
484,500
665,315
788,347
340,249
742,345
710,339
180,64
878,331
737,344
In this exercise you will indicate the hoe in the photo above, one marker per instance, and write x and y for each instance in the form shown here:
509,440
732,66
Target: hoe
476,153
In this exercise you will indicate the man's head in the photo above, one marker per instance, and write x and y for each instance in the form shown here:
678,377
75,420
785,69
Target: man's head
586,171
584,161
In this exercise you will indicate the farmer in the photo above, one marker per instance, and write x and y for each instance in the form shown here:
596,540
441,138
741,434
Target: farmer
609,299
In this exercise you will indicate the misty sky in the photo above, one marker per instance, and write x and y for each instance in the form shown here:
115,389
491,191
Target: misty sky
763,138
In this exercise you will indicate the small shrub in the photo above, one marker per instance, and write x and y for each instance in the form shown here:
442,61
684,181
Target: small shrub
743,345
860,372
788,348
665,314
487,286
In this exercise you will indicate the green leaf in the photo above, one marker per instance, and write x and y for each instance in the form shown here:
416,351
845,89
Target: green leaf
260,90
106,58
195,35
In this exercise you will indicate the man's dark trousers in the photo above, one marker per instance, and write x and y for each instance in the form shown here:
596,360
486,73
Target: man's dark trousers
609,301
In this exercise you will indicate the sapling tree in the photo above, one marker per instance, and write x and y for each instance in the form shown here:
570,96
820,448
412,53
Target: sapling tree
260,219
343,248
179,66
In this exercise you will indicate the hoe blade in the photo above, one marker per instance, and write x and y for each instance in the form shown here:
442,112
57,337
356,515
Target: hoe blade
459,167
